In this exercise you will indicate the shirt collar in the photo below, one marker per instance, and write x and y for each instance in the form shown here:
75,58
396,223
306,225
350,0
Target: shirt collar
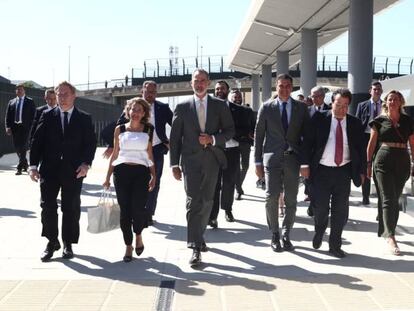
197,99
280,102
69,111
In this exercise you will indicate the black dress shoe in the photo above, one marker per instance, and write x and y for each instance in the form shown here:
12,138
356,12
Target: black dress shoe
139,250
238,196
317,240
19,172
51,247
365,202
229,216
287,245
338,253
310,211
275,243
204,247
67,251
213,223
150,221
195,258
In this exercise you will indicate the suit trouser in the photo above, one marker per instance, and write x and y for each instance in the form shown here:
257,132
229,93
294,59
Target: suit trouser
200,177
159,165
64,180
366,187
20,136
226,182
245,161
277,178
331,185
131,185
391,171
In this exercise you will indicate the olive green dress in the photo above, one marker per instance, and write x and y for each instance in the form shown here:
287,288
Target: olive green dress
391,169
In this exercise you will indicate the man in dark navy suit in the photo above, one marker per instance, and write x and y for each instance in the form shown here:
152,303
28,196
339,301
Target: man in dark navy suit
50,99
62,151
366,111
160,116
19,117
335,152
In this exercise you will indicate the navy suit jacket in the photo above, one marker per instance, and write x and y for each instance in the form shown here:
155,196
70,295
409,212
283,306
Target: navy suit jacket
316,138
28,112
50,146
364,112
38,113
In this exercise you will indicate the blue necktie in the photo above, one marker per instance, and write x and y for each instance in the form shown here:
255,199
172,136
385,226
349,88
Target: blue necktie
18,108
65,121
284,117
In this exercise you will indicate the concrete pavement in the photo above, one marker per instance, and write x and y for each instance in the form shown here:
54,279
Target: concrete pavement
240,272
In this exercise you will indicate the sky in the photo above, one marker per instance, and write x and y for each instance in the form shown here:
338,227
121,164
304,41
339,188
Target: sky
37,37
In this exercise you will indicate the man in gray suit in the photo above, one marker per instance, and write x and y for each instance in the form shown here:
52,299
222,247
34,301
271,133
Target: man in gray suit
281,123
200,128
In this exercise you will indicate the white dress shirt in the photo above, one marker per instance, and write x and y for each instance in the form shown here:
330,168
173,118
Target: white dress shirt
155,139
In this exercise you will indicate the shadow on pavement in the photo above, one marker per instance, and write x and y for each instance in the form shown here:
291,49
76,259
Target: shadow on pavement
5,212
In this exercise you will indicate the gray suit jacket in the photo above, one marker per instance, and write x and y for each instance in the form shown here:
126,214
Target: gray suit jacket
184,144
270,138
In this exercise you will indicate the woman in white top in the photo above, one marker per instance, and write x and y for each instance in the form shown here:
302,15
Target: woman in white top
134,172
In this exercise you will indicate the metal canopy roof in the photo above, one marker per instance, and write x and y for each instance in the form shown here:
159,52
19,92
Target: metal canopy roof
275,25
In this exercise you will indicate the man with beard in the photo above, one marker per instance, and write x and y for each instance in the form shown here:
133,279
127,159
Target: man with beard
201,126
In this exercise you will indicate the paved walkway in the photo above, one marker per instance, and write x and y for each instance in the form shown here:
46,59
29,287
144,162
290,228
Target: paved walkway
240,272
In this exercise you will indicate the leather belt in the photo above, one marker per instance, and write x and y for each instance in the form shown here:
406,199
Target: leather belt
395,145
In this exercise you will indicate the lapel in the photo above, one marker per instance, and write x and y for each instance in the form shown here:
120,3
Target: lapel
57,121
193,113
348,130
156,107
73,121
326,128
277,118
294,115
210,112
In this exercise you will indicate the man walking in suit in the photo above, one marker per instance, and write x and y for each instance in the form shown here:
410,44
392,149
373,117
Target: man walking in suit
367,111
335,150
226,182
281,123
246,123
201,126
50,99
317,96
63,147
19,117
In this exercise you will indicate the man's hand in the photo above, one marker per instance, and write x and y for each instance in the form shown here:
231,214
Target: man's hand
259,171
305,172
151,184
107,153
8,131
369,171
205,139
34,175
177,173
82,171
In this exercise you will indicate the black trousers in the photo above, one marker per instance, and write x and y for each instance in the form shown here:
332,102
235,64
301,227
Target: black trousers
131,186
226,182
64,180
158,153
244,165
20,135
331,187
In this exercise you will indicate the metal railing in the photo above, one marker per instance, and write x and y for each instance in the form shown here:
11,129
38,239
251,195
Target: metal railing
166,67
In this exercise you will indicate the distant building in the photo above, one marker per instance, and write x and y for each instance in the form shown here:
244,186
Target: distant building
4,80
28,83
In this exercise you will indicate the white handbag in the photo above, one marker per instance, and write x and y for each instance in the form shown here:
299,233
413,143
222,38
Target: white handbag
105,216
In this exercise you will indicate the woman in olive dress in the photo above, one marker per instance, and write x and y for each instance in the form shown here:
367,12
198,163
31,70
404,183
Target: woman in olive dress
390,164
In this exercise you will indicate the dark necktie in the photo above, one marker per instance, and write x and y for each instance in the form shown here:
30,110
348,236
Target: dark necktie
18,108
284,118
376,110
339,144
65,121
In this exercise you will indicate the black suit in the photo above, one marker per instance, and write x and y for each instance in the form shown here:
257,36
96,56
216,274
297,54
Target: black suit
330,185
226,182
365,114
20,131
59,156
